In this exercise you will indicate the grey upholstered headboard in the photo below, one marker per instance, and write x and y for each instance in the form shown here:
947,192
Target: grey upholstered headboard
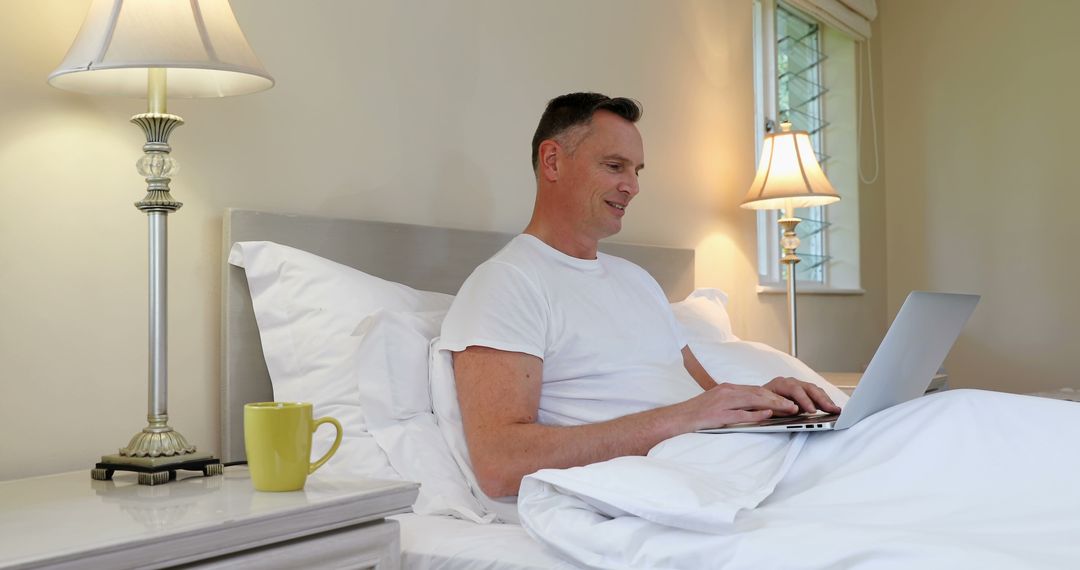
433,259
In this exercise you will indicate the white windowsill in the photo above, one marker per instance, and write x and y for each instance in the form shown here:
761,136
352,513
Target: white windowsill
808,290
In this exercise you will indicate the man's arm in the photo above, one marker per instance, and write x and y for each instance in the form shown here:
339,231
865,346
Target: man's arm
696,370
499,394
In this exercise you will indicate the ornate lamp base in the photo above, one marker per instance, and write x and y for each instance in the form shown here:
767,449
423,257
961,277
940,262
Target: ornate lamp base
156,453
157,470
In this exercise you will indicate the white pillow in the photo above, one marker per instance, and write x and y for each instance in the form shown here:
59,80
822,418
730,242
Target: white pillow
307,308
705,322
703,316
393,388
448,412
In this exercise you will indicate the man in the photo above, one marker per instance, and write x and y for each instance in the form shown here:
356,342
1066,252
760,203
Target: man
564,356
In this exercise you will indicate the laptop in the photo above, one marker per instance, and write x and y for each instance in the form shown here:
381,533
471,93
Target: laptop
903,366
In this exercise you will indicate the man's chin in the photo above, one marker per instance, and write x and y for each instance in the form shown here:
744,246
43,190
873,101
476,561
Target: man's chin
599,232
612,229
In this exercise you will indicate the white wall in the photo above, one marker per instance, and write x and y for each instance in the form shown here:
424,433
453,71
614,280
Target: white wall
409,111
982,192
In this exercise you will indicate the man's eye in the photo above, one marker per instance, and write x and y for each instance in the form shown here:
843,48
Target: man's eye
615,166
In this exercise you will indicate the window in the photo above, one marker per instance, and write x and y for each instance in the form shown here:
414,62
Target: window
805,74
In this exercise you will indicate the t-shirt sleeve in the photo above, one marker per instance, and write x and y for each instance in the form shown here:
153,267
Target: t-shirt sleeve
498,307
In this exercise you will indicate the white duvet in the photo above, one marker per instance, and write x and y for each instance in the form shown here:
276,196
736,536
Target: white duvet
961,479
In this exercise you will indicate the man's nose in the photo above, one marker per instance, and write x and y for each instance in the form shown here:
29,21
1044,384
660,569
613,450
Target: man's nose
630,186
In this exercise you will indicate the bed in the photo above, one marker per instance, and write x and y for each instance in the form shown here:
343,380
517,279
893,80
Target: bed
433,259
949,480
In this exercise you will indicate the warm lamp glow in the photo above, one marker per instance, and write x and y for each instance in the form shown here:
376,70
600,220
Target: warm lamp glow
789,175
198,41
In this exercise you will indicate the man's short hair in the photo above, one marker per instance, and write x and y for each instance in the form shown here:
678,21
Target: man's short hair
576,109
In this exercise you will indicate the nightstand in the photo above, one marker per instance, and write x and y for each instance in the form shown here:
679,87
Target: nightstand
847,381
70,521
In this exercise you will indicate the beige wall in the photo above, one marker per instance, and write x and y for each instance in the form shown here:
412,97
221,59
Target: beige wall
408,111
982,193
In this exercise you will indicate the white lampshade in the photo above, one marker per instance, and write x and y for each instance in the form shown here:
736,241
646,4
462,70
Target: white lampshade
789,174
199,42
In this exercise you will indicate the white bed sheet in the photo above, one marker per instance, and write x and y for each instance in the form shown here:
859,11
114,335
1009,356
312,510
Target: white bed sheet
959,479
444,543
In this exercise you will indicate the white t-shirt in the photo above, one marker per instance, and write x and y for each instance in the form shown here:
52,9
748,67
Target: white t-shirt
607,336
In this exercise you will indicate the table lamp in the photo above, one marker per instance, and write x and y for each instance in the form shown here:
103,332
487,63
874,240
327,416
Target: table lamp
155,49
789,177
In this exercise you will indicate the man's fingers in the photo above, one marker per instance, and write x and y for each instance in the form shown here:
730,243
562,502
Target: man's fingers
809,397
794,391
806,403
771,400
737,397
819,400
824,402
747,416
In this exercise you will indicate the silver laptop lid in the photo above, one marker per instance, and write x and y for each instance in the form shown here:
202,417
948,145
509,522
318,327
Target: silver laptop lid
913,349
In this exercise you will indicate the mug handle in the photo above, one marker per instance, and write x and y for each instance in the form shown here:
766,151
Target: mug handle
333,448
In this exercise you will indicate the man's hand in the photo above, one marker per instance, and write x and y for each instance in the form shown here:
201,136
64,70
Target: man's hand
797,397
807,396
727,404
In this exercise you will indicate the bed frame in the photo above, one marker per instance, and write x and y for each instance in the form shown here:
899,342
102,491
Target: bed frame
433,259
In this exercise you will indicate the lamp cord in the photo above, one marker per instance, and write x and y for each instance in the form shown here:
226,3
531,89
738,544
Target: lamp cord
873,114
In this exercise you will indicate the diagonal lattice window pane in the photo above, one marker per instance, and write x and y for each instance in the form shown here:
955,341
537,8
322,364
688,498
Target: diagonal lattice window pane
800,91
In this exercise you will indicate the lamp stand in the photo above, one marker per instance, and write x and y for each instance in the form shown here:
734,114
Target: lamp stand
158,451
789,243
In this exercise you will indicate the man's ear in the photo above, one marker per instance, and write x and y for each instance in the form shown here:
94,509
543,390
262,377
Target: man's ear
548,163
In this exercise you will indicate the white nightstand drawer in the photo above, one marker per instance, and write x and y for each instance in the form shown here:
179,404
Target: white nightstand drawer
371,545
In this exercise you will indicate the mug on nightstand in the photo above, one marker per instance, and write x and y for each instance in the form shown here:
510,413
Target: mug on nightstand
277,438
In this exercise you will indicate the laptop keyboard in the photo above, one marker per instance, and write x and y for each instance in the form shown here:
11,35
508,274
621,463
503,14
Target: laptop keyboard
804,419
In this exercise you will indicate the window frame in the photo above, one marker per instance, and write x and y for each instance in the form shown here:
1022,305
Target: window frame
766,107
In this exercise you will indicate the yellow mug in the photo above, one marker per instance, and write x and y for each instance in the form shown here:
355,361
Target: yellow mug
277,438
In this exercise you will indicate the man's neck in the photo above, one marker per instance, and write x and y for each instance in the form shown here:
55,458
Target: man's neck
562,239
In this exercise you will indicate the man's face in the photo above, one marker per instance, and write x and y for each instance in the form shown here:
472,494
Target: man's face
600,177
